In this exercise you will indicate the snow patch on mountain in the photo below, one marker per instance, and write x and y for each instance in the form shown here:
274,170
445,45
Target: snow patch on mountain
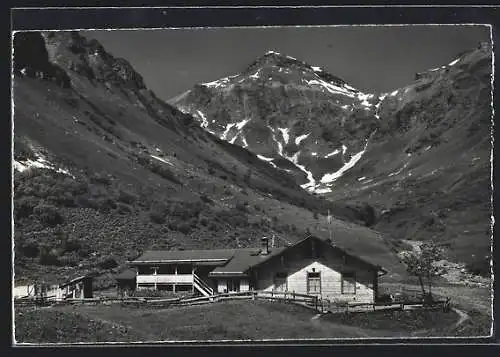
316,69
265,158
284,133
329,178
399,171
299,139
323,190
228,128
255,75
41,163
220,82
162,160
364,99
204,122
330,87
350,88
453,62
280,145
335,152
242,123
234,138
244,140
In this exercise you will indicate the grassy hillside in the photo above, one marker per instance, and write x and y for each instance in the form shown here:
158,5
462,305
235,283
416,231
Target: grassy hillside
232,320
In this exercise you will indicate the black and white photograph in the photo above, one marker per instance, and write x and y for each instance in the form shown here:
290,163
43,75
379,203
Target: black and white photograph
252,183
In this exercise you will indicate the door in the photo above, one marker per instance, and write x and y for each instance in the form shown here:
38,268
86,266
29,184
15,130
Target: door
280,282
233,286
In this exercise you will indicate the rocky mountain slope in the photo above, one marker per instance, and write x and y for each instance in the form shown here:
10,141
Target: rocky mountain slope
104,169
418,156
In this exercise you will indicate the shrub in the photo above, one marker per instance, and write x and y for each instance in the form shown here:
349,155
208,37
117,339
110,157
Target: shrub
126,197
48,214
157,217
23,207
30,248
100,178
123,208
107,263
72,245
86,202
205,199
480,267
104,204
84,251
240,206
48,256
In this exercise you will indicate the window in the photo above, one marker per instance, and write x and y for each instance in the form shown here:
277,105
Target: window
313,283
280,283
348,283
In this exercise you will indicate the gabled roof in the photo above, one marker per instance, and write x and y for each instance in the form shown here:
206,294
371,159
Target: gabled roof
242,262
76,280
244,259
219,256
232,262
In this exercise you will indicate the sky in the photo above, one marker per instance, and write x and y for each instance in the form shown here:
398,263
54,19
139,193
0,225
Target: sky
371,59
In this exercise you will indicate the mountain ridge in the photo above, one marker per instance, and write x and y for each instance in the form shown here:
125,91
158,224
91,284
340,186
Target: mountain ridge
362,148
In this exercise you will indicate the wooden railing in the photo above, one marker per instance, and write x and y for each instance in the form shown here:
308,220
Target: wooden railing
313,302
202,286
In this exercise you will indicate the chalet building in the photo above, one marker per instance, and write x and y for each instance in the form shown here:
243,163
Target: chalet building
311,266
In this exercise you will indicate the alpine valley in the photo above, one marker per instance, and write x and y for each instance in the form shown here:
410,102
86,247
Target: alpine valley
419,156
104,169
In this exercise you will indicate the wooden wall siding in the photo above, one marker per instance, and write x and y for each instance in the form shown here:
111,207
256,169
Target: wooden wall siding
297,263
244,286
221,285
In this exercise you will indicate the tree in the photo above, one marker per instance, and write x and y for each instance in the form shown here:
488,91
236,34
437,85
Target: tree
422,264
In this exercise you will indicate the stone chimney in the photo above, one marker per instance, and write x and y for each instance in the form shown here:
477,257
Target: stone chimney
264,243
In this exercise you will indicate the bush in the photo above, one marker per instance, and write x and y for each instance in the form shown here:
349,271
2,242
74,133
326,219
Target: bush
123,208
23,207
49,256
100,178
30,248
106,204
72,245
480,267
241,207
48,215
84,251
126,197
205,199
157,217
107,263
86,202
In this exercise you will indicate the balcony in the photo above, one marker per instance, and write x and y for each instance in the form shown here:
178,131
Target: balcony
165,279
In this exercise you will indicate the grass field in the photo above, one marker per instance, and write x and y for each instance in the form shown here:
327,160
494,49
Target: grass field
231,320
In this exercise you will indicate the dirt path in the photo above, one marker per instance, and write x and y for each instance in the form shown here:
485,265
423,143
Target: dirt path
463,317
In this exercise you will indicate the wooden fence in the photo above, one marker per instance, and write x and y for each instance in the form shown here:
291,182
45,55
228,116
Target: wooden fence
313,302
